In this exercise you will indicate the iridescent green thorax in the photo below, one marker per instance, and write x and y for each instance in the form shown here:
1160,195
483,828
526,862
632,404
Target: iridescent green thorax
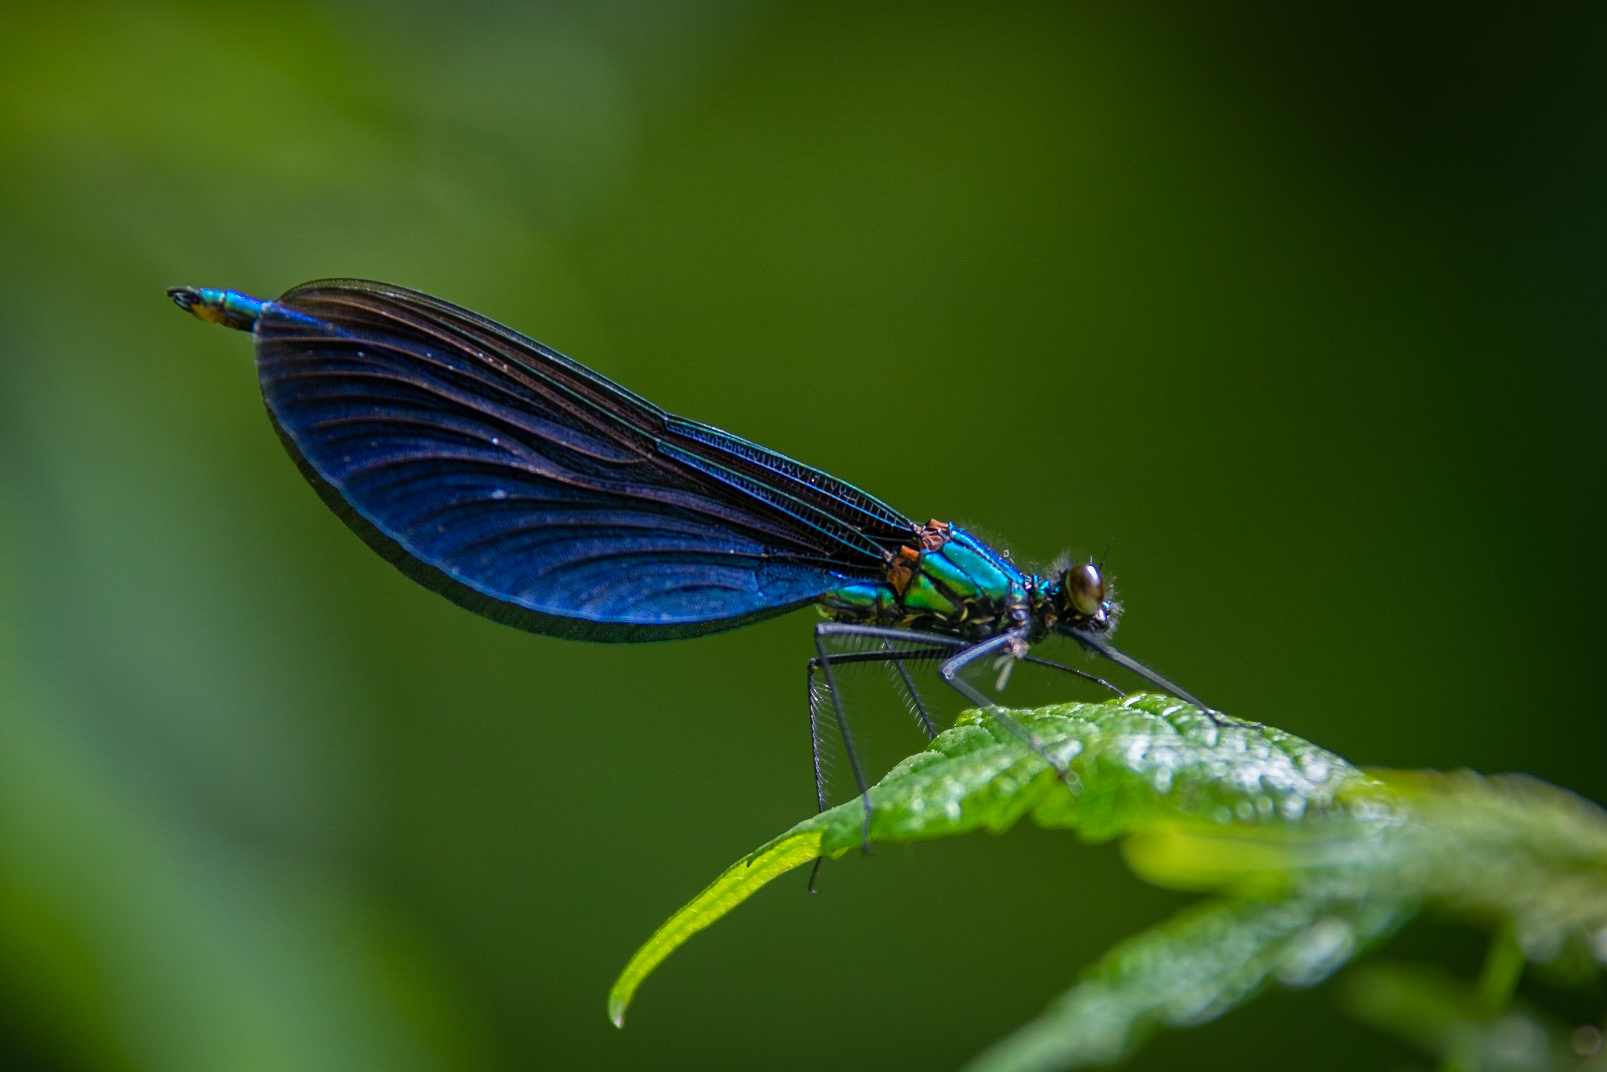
953,583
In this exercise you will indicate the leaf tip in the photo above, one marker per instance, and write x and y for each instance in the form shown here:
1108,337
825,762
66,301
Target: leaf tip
736,885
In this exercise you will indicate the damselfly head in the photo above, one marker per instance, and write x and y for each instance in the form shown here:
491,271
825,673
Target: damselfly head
1080,598
1083,590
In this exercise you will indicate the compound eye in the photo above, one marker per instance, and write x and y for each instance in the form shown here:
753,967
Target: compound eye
1085,589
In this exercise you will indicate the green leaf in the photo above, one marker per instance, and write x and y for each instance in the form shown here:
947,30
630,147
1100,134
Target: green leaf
1310,861
1191,969
1129,764
733,887
1307,898
1139,761
1444,1016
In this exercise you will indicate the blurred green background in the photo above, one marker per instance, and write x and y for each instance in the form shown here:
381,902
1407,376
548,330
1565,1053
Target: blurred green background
1296,309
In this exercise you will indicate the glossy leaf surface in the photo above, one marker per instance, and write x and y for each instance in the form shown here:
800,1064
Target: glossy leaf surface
1310,861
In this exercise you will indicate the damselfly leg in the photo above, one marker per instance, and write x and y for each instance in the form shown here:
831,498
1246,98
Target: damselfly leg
1085,675
1101,646
1013,644
913,646
910,646
899,646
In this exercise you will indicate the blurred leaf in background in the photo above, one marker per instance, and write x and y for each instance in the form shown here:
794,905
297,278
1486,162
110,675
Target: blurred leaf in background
1296,310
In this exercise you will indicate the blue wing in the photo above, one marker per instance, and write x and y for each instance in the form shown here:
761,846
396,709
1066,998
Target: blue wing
535,491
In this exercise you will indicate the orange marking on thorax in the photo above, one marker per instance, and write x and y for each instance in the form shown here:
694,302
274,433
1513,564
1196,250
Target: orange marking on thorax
901,569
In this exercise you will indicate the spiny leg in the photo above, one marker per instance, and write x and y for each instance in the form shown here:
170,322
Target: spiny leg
950,670
814,746
824,660
814,739
1085,675
1103,647
912,697
842,730
882,632
888,654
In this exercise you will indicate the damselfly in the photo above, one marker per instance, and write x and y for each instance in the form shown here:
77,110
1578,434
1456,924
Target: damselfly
538,493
